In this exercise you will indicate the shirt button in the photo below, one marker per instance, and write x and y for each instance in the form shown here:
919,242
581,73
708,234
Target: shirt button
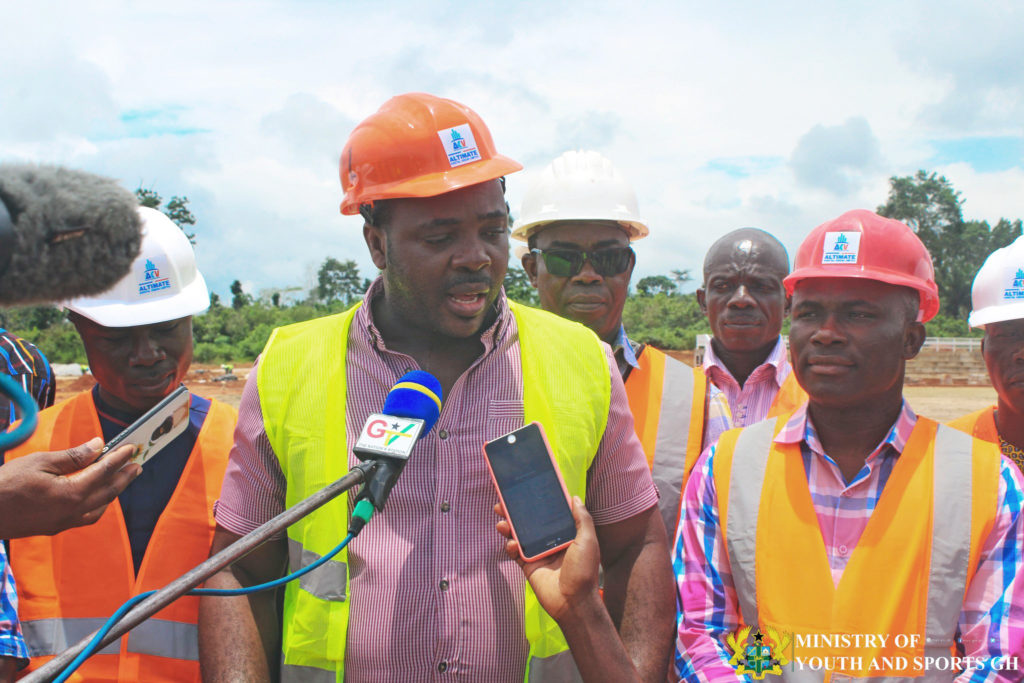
445,507
442,667
444,584
842,550
443,434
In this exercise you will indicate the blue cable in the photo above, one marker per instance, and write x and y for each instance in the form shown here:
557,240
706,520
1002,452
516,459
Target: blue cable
26,407
93,645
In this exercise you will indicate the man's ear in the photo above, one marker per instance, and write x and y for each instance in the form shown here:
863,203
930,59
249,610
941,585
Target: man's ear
789,306
376,242
703,302
913,340
530,266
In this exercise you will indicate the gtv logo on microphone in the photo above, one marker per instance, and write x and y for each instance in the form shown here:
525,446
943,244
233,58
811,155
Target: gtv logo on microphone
389,435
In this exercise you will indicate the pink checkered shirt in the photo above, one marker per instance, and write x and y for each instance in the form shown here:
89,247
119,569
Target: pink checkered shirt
751,403
992,619
434,595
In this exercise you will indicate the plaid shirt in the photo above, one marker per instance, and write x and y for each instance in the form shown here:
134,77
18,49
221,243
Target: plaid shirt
12,644
27,365
992,618
750,403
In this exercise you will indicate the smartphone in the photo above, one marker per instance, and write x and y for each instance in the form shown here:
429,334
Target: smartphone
532,491
158,427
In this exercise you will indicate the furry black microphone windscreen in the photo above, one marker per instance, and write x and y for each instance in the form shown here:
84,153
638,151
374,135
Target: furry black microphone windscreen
69,233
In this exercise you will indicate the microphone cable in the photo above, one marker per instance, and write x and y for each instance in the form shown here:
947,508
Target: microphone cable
27,411
360,516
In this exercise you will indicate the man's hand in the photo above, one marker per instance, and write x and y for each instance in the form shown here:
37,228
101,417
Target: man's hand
567,579
566,587
46,493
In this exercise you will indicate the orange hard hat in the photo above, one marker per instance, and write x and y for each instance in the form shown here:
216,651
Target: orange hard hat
862,244
418,145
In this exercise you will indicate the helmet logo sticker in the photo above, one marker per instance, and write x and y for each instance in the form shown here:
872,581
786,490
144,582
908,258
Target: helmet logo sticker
840,247
459,145
1016,289
151,280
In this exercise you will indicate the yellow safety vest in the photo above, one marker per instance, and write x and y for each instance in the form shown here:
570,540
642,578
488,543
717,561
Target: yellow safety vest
302,387
906,577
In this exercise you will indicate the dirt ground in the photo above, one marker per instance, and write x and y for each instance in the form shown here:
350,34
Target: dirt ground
200,380
941,403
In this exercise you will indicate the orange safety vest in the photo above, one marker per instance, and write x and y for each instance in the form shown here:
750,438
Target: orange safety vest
669,402
980,424
944,486
70,583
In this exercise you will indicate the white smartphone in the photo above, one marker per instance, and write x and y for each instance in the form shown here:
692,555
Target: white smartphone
158,427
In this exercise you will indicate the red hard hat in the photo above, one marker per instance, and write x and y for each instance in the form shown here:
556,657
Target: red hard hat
418,145
862,244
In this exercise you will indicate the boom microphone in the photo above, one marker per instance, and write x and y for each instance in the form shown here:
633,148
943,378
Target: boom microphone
63,233
410,411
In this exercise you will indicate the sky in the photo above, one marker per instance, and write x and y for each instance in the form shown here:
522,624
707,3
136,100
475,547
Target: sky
776,115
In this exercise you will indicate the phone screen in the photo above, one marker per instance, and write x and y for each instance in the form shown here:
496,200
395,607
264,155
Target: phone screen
532,491
158,427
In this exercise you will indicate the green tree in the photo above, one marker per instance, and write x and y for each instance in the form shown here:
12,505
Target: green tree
176,209
239,299
339,281
656,284
518,288
933,209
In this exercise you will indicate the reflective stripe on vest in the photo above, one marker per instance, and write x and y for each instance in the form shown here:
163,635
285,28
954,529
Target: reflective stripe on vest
661,396
327,582
302,380
292,673
157,637
951,536
560,667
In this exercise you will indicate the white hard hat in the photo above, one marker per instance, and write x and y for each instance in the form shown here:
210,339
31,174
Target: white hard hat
580,186
162,285
998,290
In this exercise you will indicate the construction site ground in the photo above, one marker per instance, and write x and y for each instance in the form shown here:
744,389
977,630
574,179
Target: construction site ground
938,402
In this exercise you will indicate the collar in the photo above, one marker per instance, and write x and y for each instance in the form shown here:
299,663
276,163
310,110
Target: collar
777,360
489,337
627,348
800,429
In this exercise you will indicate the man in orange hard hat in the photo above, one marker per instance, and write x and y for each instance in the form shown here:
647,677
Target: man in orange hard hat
998,308
427,590
852,515
579,219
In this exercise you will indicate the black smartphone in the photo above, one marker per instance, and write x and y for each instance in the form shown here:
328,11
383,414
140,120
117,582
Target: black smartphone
532,491
158,427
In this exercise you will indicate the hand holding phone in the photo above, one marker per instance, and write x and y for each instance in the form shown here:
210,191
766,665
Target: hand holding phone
161,425
531,490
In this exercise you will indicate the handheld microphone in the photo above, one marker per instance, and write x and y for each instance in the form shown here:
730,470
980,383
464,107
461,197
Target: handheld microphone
410,411
63,233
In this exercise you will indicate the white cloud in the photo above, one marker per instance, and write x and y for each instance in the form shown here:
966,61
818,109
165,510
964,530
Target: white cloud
663,88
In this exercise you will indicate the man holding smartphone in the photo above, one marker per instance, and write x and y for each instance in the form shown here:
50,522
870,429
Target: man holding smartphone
427,592
138,339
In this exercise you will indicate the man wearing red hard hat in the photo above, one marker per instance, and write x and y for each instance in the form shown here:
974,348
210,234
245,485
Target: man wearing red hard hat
851,538
428,591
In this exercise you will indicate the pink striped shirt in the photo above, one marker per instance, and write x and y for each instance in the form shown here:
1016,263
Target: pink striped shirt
750,403
991,621
434,595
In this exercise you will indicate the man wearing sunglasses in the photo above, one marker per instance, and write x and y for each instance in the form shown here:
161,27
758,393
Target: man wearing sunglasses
579,219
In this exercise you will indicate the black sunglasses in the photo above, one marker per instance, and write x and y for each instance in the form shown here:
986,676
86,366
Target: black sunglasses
569,262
